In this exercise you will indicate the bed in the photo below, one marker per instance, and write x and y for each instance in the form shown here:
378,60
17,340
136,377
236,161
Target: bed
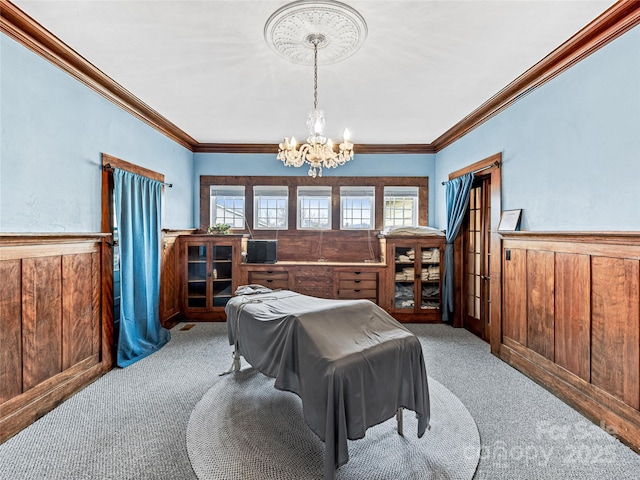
352,365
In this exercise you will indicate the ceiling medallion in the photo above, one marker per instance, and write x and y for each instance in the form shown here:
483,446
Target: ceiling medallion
287,31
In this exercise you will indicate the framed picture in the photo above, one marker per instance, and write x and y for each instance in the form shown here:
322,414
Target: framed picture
510,220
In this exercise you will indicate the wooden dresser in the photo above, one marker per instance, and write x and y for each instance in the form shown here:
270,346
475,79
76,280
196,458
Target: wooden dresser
319,279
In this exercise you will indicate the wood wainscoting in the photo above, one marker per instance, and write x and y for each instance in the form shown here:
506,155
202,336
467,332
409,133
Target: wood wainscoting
54,331
571,321
170,277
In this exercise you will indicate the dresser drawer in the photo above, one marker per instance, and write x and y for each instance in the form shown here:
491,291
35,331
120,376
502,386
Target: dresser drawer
269,275
353,294
270,279
357,275
357,284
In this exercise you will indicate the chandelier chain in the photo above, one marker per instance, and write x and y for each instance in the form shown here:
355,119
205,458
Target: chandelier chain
315,74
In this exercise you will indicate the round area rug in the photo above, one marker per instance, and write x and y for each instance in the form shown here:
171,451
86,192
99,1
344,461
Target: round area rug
245,429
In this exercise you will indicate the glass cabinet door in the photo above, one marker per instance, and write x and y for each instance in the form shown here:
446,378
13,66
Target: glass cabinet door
197,276
221,268
405,276
429,278
208,282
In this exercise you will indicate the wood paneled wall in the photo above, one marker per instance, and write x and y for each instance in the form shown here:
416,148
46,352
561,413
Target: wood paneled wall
170,273
326,245
51,327
571,320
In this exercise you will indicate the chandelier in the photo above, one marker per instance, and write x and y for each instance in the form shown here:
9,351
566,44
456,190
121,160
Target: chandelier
318,152
293,31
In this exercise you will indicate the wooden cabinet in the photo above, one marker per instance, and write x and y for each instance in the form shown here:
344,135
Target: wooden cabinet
414,278
209,277
53,330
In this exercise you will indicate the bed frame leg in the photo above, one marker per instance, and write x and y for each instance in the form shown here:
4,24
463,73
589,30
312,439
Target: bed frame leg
399,420
235,366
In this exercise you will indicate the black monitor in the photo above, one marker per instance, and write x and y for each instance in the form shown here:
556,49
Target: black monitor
262,251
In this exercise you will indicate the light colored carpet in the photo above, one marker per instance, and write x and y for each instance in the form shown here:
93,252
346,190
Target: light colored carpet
245,429
132,423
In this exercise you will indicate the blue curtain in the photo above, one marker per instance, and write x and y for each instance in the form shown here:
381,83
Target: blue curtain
457,196
138,216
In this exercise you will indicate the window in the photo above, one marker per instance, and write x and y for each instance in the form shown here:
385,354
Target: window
400,207
270,207
349,204
314,208
357,208
227,205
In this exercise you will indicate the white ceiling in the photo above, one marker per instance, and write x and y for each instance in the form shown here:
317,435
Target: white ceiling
205,66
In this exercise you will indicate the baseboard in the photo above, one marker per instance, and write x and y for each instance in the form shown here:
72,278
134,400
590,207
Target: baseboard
25,415
611,414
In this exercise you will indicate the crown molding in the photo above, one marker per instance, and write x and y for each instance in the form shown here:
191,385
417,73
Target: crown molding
236,148
272,148
406,148
615,21
29,33
618,19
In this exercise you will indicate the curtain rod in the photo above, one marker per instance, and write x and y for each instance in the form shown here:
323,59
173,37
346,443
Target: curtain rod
107,166
494,164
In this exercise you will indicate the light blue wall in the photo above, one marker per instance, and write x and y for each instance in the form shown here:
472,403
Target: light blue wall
53,131
571,148
365,165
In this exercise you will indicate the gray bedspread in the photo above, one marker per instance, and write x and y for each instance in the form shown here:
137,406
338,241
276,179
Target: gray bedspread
351,363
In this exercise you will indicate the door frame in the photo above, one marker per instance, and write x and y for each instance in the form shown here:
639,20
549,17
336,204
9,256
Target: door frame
489,166
106,201
483,183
